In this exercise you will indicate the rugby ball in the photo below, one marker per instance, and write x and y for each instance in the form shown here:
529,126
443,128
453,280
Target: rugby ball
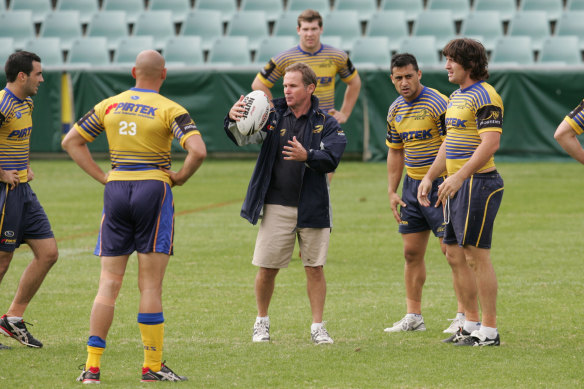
255,116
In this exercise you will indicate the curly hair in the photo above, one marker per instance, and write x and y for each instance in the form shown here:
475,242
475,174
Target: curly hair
470,54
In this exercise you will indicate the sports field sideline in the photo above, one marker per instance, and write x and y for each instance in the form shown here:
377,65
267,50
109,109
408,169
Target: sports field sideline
209,304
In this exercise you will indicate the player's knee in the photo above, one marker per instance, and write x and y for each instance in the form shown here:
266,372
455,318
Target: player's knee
50,257
413,256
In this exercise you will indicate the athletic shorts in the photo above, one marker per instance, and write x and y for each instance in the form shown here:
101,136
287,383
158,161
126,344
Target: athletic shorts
473,210
277,236
137,216
22,217
417,218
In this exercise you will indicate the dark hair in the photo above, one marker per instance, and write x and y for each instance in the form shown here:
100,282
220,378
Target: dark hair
403,59
310,15
21,61
470,54
308,75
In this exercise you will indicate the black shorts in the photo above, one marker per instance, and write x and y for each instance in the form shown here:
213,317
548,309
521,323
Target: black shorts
473,210
417,218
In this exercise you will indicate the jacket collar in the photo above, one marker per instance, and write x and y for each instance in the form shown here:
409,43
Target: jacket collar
281,106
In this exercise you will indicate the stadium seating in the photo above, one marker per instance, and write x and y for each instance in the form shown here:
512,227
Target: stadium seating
533,24
6,48
251,24
128,48
64,25
271,46
109,24
436,23
272,8
563,50
39,8
364,8
157,24
89,51
486,24
513,50
286,24
575,5
371,51
179,8
331,40
227,7
133,8
230,51
459,8
570,23
49,49
17,25
297,6
183,51
390,24
423,48
506,8
86,8
344,24
204,23
411,7
552,8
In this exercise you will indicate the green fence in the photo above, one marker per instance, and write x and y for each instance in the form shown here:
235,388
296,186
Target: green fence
535,102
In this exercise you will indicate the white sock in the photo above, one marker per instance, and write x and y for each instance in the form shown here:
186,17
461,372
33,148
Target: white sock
489,332
14,319
315,326
262,318
470,326
414,315
460,315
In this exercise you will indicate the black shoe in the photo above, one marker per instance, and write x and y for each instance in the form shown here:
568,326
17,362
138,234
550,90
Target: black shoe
19,332
458,336
89,376
477,339
165,374
3,347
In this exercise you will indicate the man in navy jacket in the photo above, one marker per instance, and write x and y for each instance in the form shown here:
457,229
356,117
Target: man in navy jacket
289,187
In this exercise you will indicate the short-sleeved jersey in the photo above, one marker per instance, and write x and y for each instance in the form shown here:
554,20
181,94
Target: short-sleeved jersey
471,111
576,118
326,63
140,125
418,128
15,130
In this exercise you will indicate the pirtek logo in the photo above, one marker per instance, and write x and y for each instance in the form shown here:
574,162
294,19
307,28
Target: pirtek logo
455,122
324,80
25,132
131,107
416,135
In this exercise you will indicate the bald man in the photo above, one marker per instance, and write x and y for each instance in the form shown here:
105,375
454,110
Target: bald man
138,209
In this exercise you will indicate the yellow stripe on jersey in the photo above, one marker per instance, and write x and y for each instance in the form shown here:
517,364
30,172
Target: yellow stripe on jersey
140,125
470,112
326,63
417,128
15,130
576,118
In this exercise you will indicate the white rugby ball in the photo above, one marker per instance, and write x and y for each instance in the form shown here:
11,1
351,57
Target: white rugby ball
255,116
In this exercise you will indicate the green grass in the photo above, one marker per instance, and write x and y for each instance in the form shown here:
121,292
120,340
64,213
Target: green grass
209,303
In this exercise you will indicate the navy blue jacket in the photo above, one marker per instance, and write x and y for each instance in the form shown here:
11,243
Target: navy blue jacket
325,142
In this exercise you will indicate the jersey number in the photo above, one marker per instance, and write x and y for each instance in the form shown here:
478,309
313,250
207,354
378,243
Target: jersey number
127,128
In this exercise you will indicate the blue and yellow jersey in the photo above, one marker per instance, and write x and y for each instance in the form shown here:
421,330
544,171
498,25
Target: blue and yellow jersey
418,128
15,129
326,63
470,112
140,125
576,118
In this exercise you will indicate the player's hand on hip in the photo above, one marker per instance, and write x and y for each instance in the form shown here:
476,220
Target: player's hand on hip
10,177
29,174
341,117
394,201
236,112
424,190
294,151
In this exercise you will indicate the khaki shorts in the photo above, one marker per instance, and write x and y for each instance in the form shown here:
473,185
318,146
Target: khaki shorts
277,236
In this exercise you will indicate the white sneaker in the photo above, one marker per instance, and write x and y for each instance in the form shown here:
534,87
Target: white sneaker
321,336
261,331
454,326
408,324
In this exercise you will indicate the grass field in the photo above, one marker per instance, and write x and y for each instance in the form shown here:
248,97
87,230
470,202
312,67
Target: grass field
210,305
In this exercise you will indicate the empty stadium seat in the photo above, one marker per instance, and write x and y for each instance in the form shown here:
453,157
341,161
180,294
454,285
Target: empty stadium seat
486,24
251,24
459,8
133,8
563,50
64,25
344,24
39,8
157,24
89,51
86,8
533,24
183,51
436,23
230,51
575,5
204,23
109,24
297,6
390,24
570,23
552,8
365,8
179,8
411,7
506,8
227,7
371,51
6,48
128,48
49,49
331,40
286,24
423,48
272,8
513,50
272,45
17,25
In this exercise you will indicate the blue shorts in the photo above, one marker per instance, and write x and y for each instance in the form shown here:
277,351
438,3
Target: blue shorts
137,216
417,218
473,210
22,217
